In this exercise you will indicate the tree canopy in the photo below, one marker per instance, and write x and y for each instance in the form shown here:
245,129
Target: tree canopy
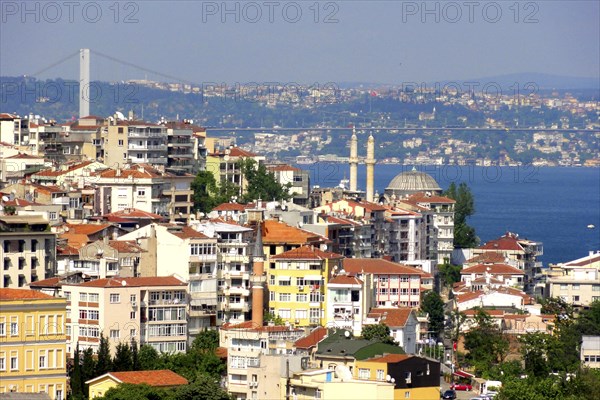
464,234
379,332
433,304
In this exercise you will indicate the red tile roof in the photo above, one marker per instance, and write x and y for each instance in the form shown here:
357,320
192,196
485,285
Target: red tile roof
507,242
20,203
229,207
494,269
70,168
282,167
249,325
367,205
86,229
380,266
392,317
390,358
187,233
161,377
50,282
312,339
422,197
278,232
134,213
486,258
126,246
233,152
7,294
345,280
306,253
135,282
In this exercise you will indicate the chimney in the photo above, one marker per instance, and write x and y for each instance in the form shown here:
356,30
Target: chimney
258,280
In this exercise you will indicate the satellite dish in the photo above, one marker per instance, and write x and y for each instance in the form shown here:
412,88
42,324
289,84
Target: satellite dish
347,334
4,198
123,283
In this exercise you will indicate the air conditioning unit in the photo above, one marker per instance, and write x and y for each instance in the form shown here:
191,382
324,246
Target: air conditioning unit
134,304
301,288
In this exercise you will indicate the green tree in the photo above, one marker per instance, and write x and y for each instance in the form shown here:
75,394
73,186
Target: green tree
464,235
88,369
203,388
76,376
450,273
379,332
275,319
486,344
135,357
534,349
205,189
104,362
433,304
261,184
148,358
126,391
206,340
122,360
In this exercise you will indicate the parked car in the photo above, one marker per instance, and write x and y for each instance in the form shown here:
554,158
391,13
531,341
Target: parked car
449,394
461,386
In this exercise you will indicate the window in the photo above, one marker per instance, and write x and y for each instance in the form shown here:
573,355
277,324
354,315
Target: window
124,156
271,296
2,364
364,373
114,333
285,297
43,361
575,298
380,375
120,142
94,297
141,192
14,329
14,363
407,395
82,296
2,329
285,314
301,314
132,315
575,286
301,298
564,286
132,333
115,298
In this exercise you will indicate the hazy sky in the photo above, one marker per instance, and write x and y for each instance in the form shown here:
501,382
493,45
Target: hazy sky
303,41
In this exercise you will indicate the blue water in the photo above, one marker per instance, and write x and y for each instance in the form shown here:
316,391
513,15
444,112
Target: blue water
553,205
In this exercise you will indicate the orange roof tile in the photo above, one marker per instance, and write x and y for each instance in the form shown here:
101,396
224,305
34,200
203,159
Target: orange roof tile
7,294
421,197
282,167
134,213
486,258
278,232
86,229
391,317
126,246
135,282
312,339
345,280
161,377
507,242
306,253
186,233
494,269
70,168
229,207
380,266
390,358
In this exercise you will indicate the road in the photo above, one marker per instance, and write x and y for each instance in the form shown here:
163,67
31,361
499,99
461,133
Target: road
460,394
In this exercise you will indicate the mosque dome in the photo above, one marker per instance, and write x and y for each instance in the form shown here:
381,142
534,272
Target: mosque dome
411,182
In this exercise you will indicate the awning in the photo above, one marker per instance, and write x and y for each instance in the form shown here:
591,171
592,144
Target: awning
463,374
199,303
313,278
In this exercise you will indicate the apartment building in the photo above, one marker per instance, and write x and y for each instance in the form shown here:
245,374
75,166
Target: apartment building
180,147
480,275
133,142
145,188
298,179
347,303
297,280
245,344
224,164
15,165
522,253
107,258
152,310
28,250
577,282
408,235
393,284
33,353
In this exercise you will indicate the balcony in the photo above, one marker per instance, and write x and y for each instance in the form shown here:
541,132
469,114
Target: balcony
157,160
239,307
149,147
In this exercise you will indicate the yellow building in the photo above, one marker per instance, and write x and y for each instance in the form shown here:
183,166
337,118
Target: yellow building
413,377
224,165
328,384
162,378
33,343
297,281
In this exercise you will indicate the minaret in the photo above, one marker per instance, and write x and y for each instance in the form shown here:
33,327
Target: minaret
353,160
258,280
84,83
370,161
